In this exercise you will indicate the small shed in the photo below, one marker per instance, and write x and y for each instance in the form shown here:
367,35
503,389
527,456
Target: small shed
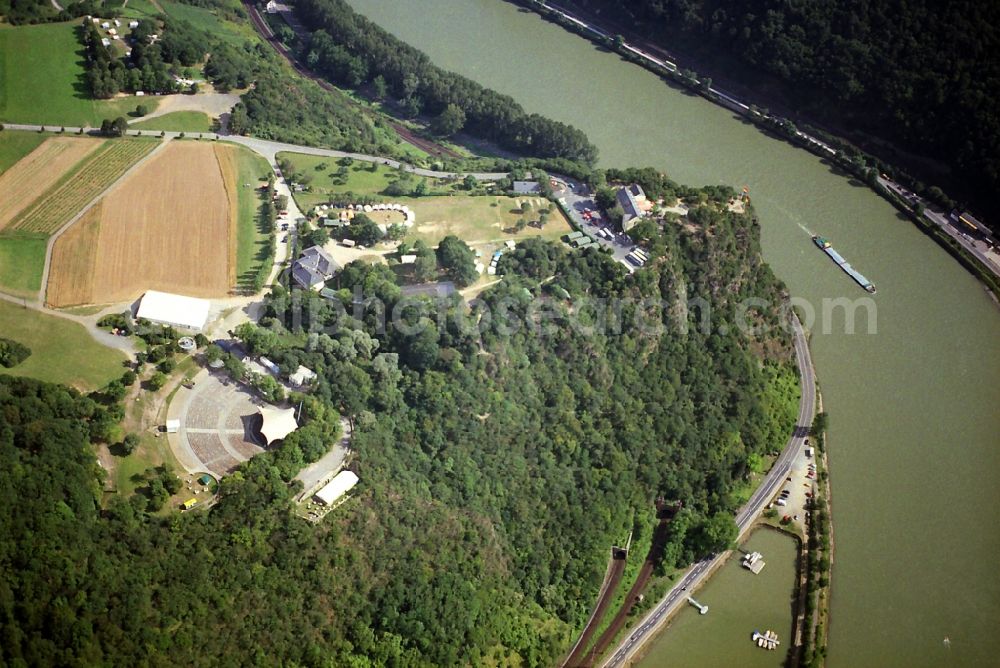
173,426
190,503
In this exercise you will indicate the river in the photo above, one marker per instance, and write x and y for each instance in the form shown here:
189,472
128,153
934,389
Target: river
739,602
914,425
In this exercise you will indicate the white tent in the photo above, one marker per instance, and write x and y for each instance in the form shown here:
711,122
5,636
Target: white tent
173,426
170,309
302,376
336,488
278,423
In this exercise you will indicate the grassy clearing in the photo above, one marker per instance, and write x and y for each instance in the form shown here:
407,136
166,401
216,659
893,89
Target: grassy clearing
208,20
140,9
42,79
144,414
61,351
15,145
88,180
177,121
479,220
361,180
22,259
251,239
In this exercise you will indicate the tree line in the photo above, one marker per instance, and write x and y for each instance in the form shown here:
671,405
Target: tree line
352,51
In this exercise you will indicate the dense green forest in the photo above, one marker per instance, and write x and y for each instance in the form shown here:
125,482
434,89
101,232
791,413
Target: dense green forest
351,51
920,73
497,467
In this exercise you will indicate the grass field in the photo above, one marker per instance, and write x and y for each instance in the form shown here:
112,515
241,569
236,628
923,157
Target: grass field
22,259
89,179
241,167
206,19
39,171
166,227
325,179
15,145
477,221
41,79
140,9
176,121
61,351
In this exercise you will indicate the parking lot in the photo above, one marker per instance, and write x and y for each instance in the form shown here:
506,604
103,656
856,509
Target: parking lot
583,211
799,486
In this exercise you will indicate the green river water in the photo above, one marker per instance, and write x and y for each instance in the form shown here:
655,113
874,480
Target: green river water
914,422
739,602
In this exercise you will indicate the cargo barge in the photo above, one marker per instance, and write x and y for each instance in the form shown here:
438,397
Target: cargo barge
825,246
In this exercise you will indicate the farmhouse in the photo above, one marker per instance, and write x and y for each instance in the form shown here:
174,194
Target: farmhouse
277,423
341,484
634,203
314,267
174,310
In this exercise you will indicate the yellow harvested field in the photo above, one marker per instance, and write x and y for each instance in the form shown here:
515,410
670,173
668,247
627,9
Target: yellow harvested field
38,171
73,260
93,176
166,227
226,156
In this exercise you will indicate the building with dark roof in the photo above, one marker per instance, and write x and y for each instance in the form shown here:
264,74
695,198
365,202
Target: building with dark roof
632,200
314,267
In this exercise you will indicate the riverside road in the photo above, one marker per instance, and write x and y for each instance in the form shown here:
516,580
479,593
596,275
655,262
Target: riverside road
746,516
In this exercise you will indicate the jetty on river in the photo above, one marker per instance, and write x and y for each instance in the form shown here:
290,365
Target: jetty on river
754,562
702,609
766,640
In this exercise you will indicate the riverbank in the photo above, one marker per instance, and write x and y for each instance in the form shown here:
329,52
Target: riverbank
838,152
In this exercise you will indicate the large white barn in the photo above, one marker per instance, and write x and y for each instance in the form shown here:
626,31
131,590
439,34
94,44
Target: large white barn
175,310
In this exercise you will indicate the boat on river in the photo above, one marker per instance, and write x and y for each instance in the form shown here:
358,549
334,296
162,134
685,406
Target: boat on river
825,246
767,640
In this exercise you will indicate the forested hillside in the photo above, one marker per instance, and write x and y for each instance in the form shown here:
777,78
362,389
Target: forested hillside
351,51
921,73
496,470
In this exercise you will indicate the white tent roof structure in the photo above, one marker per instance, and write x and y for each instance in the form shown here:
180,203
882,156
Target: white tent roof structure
171,309
278,423
336,488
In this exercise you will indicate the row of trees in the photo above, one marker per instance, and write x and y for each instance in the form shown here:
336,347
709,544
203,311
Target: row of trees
351,50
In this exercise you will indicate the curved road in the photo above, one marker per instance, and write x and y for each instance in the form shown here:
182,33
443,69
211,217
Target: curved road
746,516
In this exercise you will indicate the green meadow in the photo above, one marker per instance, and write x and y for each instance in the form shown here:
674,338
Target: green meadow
42,79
